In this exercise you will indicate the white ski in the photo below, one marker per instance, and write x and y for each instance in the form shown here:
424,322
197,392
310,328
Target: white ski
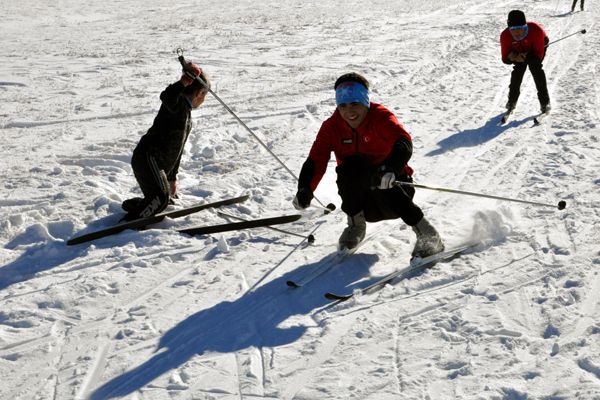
416,264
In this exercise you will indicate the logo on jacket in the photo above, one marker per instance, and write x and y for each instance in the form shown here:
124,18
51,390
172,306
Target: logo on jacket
366,139
346,141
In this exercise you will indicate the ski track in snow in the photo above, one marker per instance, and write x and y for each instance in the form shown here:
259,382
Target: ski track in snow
154,314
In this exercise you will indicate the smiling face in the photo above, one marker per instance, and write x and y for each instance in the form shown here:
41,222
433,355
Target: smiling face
353,113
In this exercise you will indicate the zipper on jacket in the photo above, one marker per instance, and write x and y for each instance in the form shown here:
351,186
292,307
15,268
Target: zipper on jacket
355,133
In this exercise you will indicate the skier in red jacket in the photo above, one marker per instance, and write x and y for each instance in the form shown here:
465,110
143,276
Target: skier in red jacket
523,44
372,150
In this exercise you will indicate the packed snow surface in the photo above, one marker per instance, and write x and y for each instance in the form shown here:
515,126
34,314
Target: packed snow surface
155,314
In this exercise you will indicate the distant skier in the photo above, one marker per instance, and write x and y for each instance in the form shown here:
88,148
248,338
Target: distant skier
575,3
523,44
372,150
156,158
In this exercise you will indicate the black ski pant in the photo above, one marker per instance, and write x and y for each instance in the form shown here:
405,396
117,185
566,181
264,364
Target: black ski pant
153,182
354,181
539,77
575,3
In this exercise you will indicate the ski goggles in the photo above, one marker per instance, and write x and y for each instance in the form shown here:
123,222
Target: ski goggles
519,32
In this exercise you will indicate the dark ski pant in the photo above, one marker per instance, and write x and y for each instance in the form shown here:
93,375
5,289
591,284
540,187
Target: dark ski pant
354,181
153,182
539,77
575,3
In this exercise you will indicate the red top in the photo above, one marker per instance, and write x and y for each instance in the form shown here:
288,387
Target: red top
373,139
533,42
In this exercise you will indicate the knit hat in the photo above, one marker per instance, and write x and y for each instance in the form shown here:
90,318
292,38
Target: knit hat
516,18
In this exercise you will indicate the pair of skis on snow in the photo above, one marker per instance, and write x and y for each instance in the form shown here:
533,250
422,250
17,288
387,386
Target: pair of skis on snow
416,265
200,230
537,120
334,260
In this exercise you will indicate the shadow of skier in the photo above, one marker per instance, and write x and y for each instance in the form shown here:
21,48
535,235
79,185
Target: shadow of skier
477,136
253,320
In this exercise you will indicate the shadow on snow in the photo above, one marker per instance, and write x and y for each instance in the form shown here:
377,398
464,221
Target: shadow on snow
477,136
566,14
252,320
43,251
35,259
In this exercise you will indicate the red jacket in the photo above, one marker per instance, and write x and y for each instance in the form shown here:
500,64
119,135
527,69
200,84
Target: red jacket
535,42
373,139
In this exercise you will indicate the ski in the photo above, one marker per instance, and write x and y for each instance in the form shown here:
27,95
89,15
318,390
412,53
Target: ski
418,264
331,261
538,119
142,222
310,238
246,224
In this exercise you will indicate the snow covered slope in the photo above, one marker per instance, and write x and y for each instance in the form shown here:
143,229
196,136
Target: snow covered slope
159,315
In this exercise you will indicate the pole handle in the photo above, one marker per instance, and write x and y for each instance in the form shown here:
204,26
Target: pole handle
181,58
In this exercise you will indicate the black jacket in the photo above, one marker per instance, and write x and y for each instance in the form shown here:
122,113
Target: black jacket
168,134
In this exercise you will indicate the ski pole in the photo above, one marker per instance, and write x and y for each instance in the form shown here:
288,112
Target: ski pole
561,204
330,207
309,238
583,31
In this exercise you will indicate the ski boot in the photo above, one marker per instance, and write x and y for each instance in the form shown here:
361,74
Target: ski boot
545,108
134,203
354,233
131,204
428,240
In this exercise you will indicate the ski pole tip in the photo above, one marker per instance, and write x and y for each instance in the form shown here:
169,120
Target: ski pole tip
311,239
330,207
562,205
583,31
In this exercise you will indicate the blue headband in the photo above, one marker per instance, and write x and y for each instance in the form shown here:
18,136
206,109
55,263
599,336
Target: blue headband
352,92
523,35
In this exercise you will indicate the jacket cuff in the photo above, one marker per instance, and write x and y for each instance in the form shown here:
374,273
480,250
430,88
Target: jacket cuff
399,156
307,174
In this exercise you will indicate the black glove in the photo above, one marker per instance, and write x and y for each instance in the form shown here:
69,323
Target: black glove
303,198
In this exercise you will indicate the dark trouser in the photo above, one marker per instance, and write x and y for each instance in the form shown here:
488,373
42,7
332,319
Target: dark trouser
575,3
354,187
152,181
539,77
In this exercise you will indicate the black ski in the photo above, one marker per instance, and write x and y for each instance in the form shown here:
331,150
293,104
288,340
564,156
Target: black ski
142,222
403,273
247,224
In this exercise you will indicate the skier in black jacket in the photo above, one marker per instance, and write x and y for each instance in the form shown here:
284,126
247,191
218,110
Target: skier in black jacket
156,158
